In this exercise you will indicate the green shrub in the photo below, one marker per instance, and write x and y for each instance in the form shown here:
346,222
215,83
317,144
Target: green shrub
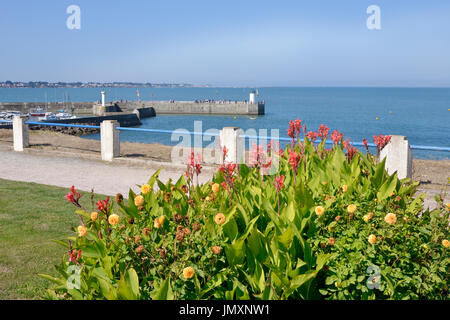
301,233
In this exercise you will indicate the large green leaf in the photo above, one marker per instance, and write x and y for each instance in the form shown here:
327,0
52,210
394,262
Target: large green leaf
235,252
164,291
387,188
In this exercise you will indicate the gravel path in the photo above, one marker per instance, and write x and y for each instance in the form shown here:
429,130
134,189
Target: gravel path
105,178
85,171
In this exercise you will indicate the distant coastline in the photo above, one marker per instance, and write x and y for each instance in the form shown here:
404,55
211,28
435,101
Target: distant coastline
46,84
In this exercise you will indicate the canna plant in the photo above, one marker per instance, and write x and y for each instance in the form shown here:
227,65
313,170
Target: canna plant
324,224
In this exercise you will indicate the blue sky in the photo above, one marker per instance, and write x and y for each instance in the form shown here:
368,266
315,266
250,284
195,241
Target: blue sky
228,43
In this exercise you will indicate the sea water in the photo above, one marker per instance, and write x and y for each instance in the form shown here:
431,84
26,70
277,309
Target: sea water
420,114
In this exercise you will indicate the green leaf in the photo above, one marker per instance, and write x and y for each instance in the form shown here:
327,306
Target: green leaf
153,178
230,229
132,280
128,286
235,252
387,188
163,292
377,178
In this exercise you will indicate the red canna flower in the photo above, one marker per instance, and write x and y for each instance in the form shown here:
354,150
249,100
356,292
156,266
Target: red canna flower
323,132
365,144
294,159
279,183
73,257
381,141
257,156
69,196
73,197
103,206
312,136
336,136
346,143
294,129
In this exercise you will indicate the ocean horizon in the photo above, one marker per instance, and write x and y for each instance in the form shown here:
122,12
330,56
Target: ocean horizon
419,113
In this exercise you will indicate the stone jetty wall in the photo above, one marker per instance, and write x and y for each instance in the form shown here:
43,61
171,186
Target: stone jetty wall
192,107
160,107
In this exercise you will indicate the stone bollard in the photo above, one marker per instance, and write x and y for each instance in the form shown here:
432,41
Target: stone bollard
20,133
110,140
398,157
230,138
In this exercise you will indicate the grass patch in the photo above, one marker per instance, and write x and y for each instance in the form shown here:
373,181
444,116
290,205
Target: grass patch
31,216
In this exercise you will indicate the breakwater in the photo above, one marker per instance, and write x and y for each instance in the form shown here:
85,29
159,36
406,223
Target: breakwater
124,119
26,107
193,107
160,107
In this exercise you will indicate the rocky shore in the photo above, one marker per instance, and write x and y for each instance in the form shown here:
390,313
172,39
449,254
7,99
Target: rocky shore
66,130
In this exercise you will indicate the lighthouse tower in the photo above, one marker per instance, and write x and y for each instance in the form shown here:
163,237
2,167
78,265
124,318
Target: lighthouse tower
252,97
103,98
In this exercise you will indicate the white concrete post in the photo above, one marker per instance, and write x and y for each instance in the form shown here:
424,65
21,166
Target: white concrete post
110,140
398,157
230,138
20,133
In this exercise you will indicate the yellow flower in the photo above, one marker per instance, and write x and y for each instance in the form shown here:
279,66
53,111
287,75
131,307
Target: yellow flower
94,216
319,210
372,239
390,218
351,208
188,272
216,249
219,218
139,201
82,230
184,188
216,187
446,243
447,206
344,188
208,198
368,216
113,219
159,222
145,189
